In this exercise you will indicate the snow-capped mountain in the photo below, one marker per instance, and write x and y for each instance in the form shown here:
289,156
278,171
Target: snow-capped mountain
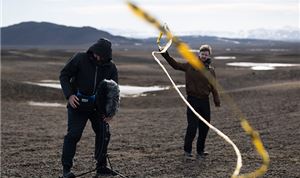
284,34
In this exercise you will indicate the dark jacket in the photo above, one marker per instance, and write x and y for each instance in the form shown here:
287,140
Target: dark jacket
197,84
83,73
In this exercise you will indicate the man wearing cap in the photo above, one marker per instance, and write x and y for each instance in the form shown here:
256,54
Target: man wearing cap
198,89
80,77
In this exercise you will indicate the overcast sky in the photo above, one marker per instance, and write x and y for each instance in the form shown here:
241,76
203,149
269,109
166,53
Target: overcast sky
181,15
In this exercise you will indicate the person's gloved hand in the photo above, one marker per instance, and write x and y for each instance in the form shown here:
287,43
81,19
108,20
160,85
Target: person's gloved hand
165,54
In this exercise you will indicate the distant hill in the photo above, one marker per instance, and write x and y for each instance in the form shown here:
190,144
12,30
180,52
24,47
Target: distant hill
50,35
44,33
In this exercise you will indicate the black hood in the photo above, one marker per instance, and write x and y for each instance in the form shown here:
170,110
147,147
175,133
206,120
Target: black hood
102,48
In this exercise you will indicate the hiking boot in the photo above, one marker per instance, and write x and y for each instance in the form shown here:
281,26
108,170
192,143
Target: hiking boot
188,155
104,171
67,173
202,155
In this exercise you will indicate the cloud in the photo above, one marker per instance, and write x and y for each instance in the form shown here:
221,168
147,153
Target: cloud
96,9
255,6
191,7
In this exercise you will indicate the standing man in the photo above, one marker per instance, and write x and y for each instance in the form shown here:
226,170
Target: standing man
79,79
198,89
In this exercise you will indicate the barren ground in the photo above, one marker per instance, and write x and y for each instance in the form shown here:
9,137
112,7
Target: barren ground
147,133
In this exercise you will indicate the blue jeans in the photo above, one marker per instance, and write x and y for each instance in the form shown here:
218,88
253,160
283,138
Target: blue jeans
76,124
203,108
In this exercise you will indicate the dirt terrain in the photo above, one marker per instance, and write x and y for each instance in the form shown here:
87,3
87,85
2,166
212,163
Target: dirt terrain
147,133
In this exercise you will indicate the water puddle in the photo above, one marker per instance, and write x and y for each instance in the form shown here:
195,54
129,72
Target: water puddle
45,104
125,90
135,91
271,50
224,57
261,66
196,51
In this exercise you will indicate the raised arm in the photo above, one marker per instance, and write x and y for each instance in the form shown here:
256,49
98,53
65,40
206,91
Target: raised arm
173,63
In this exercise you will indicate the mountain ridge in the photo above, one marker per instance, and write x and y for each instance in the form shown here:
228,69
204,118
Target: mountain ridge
42,34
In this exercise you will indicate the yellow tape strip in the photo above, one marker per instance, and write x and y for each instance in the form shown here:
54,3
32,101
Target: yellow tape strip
184,50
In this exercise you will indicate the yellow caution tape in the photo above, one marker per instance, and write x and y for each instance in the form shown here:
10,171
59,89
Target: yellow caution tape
185,51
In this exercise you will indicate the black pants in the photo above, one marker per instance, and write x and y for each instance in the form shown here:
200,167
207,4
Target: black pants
76,123
203,108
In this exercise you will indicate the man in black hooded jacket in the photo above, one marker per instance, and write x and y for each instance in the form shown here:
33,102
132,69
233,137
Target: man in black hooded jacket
80,77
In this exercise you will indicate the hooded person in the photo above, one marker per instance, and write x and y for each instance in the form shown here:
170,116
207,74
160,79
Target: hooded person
79,79
102,48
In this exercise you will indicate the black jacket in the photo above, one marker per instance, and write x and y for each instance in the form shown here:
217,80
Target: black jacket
83,73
